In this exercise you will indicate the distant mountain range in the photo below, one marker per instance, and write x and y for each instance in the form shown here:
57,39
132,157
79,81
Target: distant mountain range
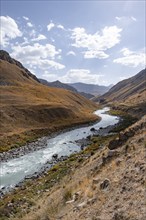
87,90
61,85
90,88
58,84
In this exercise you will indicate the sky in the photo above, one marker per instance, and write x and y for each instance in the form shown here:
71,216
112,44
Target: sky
95,42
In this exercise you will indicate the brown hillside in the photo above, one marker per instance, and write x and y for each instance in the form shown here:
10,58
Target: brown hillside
29,109
132,89
128,95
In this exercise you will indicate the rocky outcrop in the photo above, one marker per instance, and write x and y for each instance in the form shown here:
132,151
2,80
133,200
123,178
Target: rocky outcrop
5,56
125,135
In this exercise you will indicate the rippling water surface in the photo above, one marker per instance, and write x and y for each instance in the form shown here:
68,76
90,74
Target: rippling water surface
15,170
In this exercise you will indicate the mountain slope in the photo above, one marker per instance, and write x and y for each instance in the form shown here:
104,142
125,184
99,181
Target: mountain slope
24,72
58,84
90,88
127,89
30,109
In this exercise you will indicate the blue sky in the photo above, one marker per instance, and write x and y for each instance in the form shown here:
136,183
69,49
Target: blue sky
99,42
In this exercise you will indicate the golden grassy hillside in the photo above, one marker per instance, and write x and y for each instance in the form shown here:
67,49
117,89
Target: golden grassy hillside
128,95
30,109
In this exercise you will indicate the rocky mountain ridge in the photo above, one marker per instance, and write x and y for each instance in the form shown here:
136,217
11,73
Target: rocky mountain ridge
6,57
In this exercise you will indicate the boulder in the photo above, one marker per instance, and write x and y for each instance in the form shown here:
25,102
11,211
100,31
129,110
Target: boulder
93,129
105,184
55,156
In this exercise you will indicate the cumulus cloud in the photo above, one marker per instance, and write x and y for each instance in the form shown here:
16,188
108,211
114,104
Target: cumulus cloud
29,24
71,53
37,50
60,26
50,26
74,75
9,30
53,25
96,44
40,37
81,75
50,64
131,58
38,55
49,76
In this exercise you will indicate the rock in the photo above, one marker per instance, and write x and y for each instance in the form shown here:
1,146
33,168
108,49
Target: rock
95,180
70,201
111,153
113,144
119,216
82,205
118,161
76,195
105,184
122,136
89,137
55,156
91,201
82,147
93,129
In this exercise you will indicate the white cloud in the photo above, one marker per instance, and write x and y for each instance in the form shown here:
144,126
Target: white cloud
32,33
75,75
60,26
49,64
96,44
118,18
9,30
133,18
53,25
37,55
71,53
29,24
49,76
26,18
131,58
36,50
95,54
124,18
50,26
80,75
40,37
26,41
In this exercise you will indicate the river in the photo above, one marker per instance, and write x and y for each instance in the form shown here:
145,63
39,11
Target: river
15,170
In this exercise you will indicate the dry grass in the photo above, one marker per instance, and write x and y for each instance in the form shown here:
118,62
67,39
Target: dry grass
29,109
124,197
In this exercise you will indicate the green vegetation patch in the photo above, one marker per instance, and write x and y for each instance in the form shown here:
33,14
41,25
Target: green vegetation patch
125,121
